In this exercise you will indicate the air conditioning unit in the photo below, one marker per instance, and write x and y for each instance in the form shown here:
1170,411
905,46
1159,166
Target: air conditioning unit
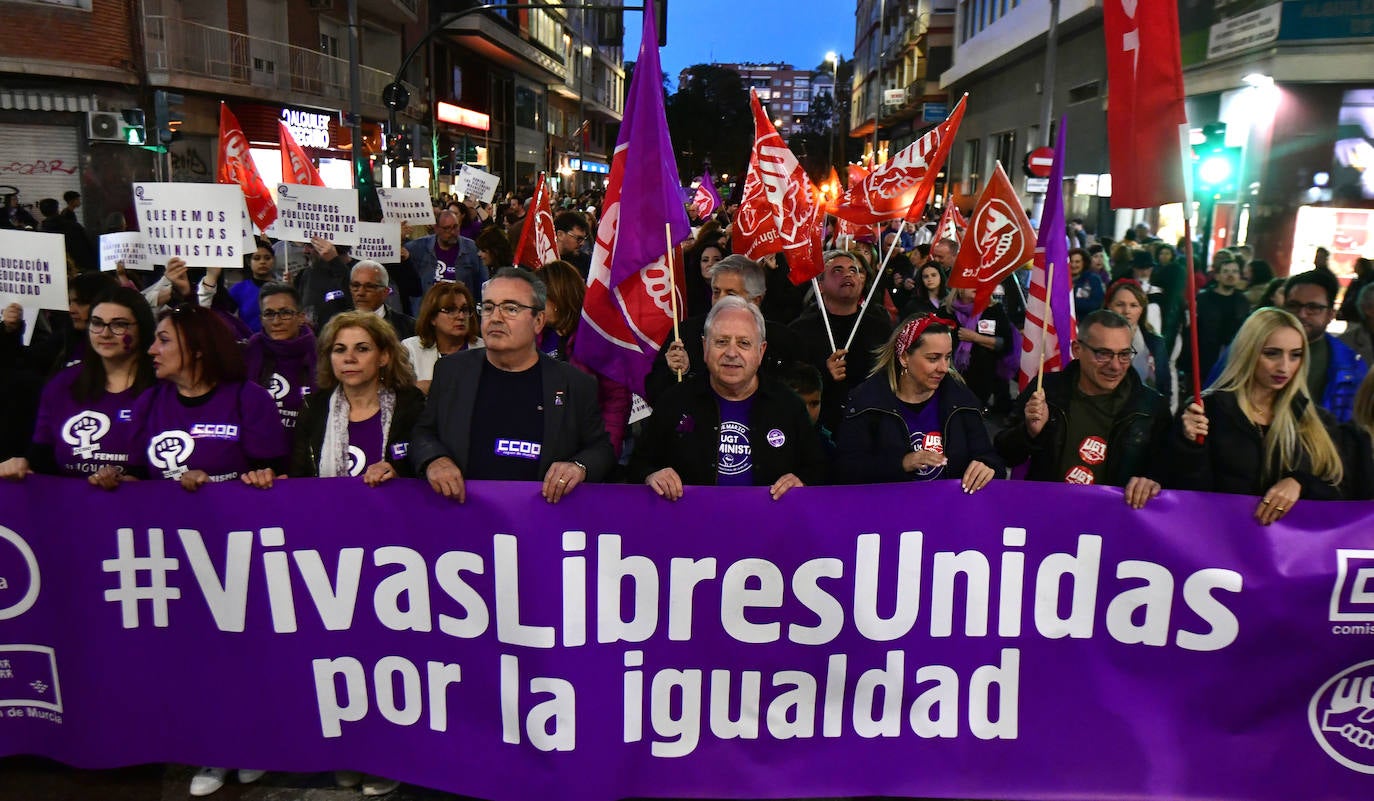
105,126
321,5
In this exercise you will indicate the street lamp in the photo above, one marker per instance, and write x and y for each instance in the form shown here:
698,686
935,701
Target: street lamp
834,60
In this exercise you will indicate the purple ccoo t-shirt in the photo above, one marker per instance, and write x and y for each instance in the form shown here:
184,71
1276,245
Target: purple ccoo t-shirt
224,432
85,435
364,444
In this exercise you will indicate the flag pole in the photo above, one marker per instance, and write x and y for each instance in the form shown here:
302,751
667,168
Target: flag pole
1045,328
897,240
672,285
1192,306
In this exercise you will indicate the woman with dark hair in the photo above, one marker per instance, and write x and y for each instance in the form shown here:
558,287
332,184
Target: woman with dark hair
913,419
562,310
1128,299
260,266
1272,295
61,340
447,324
1261,433
696,267
494,249
1350,307
203,421
85,423
981,342
1258,274
358,422
930,293
281,357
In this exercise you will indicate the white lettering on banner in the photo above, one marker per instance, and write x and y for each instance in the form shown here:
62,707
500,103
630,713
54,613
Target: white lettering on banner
1130,40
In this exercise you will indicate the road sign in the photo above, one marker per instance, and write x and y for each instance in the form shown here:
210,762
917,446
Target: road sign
1037,186
1039,161
934,112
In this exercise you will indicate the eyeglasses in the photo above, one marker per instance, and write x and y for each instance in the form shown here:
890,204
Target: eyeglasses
1104,355
579,237
278,314
357,287
1311,308
456,311
508,309
117,327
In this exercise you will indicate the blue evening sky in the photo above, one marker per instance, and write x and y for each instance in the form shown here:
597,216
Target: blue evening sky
798,32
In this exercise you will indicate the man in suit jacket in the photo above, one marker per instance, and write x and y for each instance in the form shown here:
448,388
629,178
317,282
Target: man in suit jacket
506,411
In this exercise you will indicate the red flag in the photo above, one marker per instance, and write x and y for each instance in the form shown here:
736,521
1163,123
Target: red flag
778,212
236,167
1144,103
999,240
901,186
536,248
296,167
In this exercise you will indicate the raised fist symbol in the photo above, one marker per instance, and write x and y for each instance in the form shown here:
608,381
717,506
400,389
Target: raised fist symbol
84,431
170,451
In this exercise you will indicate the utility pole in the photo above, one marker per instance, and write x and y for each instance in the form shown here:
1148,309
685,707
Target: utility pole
1047,99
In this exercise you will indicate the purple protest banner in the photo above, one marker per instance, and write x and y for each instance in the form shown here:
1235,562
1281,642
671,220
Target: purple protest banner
1031,642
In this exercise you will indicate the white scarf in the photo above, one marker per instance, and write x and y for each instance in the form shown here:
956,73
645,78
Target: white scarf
334,451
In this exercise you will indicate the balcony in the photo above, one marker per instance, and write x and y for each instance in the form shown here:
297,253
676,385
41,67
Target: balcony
494,39
190,55
400,10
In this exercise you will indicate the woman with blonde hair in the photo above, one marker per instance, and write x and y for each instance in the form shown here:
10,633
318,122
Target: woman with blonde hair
358,420
1261,433
914,419
447,323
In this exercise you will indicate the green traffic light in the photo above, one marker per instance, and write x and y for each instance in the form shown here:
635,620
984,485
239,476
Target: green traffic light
1215,170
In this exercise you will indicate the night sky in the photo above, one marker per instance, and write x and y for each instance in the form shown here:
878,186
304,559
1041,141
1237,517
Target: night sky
798,32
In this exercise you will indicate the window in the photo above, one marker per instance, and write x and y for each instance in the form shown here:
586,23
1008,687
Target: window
1004,145
526,108
1084,92
972,165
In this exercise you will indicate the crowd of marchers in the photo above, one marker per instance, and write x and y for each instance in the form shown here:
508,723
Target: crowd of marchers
453,365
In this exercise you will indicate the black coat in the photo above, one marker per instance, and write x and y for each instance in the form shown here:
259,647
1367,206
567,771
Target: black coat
1135,443
1231,459
874,329
1357,456
684,433
874,438
573,428
310,430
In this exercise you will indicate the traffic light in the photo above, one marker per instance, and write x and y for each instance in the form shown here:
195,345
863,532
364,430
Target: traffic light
167,115
134,132
1216,167
661,20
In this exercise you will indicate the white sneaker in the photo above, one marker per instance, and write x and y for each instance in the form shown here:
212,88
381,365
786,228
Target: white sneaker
207,781
347,778
247,776
376,785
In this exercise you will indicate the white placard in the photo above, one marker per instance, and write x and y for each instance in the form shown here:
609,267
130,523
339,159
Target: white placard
378,241
472,182
406,205
196,222
305,212
250,242
639,409
33,273
125,246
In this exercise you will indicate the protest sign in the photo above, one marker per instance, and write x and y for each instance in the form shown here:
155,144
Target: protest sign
613,646
125,246
406,205
196,222
33,273
250,242
305,212
473,182
378,241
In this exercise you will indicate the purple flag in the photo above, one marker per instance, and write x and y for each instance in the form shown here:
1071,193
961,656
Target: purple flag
1052,243
706,200
649,181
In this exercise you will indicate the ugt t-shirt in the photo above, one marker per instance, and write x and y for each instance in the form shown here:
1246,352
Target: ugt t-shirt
734,454
225,432
923,422
1089,424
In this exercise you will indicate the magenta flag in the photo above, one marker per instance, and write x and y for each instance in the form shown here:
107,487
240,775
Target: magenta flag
1052,242
707,199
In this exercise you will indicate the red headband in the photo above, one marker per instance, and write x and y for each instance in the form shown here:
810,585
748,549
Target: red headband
914,328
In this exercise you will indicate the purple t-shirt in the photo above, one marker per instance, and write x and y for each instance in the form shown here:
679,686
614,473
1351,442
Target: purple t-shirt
445,263
734,455
923,421
364,444
85,435
224,432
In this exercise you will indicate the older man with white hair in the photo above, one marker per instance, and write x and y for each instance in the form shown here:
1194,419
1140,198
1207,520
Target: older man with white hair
730,426
369,286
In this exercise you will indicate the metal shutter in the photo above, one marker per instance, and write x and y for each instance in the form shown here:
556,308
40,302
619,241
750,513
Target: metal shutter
42,160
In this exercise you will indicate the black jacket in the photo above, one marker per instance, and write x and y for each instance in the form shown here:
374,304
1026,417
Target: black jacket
1135,444
309,435
573,428
1231,459
874,329
783,348
874,438
684,433
1357,456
